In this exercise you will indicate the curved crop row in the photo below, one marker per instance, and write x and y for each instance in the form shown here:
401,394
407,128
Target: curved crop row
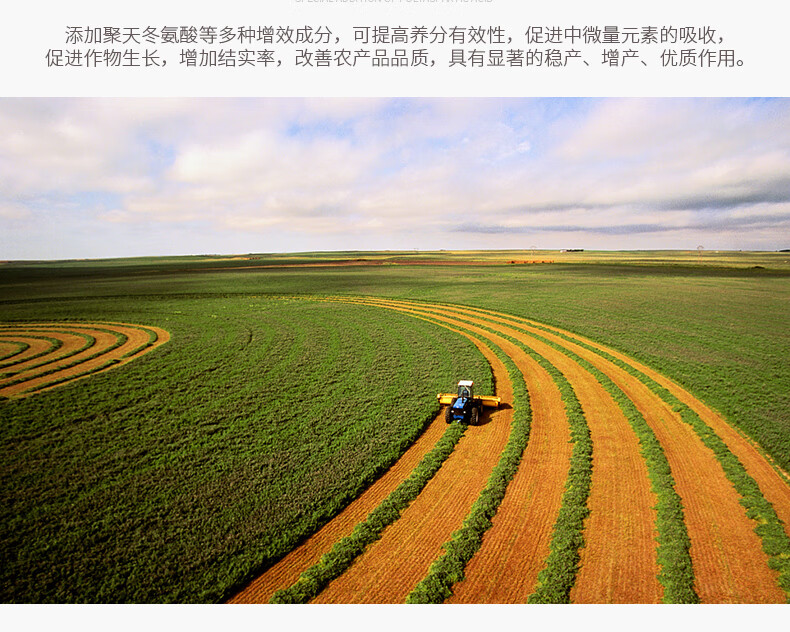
71,351
466,541
48,366
45,361
769,527
677,574
775,540
673,551
558,578
30,348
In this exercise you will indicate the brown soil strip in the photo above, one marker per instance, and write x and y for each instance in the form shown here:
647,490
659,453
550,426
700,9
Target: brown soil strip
37,345
774,489
620,502
446,262
515,548
622,515
70,343
355,262
390,568
729,564
135,339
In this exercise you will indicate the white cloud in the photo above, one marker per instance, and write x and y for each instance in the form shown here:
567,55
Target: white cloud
369,167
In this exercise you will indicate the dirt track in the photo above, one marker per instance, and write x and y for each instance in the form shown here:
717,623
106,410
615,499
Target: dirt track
618,561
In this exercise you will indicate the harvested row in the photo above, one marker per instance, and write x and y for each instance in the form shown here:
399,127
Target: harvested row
772,481
518,577
71,346
52,354
448,569
505,569
345,551
730,565
620,502
29,347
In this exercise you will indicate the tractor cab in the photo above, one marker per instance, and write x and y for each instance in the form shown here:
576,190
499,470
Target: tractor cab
466,389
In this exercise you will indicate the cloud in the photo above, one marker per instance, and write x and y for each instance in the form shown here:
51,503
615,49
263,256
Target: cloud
418,172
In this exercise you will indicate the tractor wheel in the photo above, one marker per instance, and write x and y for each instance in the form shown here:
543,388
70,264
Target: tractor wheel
448,415
473,416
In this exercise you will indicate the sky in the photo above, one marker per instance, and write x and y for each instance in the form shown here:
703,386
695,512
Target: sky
117,177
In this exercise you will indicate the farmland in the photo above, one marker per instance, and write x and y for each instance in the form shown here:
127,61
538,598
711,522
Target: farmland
295,403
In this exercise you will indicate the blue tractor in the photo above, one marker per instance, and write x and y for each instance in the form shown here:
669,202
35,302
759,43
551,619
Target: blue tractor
463,406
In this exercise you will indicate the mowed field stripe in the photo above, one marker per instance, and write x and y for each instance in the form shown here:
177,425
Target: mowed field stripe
772,482
63,345
71,360
730,565
515,548
390,568
32,347
84,349
512,578
621,504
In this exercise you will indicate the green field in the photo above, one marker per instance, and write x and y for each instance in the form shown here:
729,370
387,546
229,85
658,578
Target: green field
175,477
